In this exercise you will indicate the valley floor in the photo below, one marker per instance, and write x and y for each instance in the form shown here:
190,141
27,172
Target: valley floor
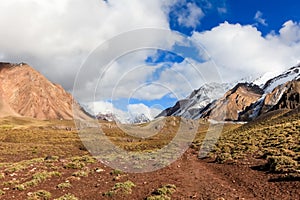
46,160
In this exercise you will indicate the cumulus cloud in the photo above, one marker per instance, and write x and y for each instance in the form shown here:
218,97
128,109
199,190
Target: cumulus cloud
56,37
242,50
290,33
259,18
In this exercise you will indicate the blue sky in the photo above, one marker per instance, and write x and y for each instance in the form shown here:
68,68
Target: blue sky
238,38
275,13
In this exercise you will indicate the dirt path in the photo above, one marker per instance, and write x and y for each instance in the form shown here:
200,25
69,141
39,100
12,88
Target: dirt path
202,179
194,179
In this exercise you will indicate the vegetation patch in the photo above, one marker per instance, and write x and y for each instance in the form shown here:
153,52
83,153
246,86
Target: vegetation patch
162,193
2,192
64,185
37,179
67,197
120,188
81,173
274,139
39,195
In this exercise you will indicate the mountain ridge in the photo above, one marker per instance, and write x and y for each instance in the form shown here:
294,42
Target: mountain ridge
238,105
26,92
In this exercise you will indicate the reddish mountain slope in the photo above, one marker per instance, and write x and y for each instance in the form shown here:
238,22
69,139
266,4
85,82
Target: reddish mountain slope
235,100
26,92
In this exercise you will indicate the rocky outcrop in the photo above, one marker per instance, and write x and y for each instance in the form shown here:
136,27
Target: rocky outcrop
26,92
286,96
233,102
191,107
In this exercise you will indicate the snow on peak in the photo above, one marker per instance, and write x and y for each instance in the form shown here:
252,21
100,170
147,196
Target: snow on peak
289,75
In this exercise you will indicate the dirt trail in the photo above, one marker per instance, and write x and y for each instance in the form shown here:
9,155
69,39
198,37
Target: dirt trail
202,179
194,179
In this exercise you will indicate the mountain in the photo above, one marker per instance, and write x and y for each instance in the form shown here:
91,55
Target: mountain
26,92
280,92
244,102
124,119
234,101
107,117
191,107
138,119
285,96
289,75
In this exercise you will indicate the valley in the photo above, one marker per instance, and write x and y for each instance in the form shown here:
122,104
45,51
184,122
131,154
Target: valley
46,160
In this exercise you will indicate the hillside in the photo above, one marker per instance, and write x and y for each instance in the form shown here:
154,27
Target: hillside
25,92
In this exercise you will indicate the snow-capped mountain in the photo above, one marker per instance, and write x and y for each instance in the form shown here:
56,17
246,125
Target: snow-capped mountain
191,106
138,119
244,101
107,117
280,92
124,119
237,99
289,75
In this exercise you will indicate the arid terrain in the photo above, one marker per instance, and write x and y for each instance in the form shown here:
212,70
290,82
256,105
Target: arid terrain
46,160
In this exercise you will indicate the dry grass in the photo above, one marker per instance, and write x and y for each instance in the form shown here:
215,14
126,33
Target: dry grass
274,138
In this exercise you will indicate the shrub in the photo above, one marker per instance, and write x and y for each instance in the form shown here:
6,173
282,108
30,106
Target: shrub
116,172
40,195
124,188
2,192
67,197
165,190
162,193
158,197
80,174
222,157
281,164
64,185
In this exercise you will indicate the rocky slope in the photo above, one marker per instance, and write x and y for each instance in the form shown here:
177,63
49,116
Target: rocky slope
234,101
26,92
192,106
285,96
243,102
280,92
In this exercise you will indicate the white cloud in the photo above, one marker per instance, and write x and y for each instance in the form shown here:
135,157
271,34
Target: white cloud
56,36
259,18
191,16
242,50
290,33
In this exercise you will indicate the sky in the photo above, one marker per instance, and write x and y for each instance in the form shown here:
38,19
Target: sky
199,41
